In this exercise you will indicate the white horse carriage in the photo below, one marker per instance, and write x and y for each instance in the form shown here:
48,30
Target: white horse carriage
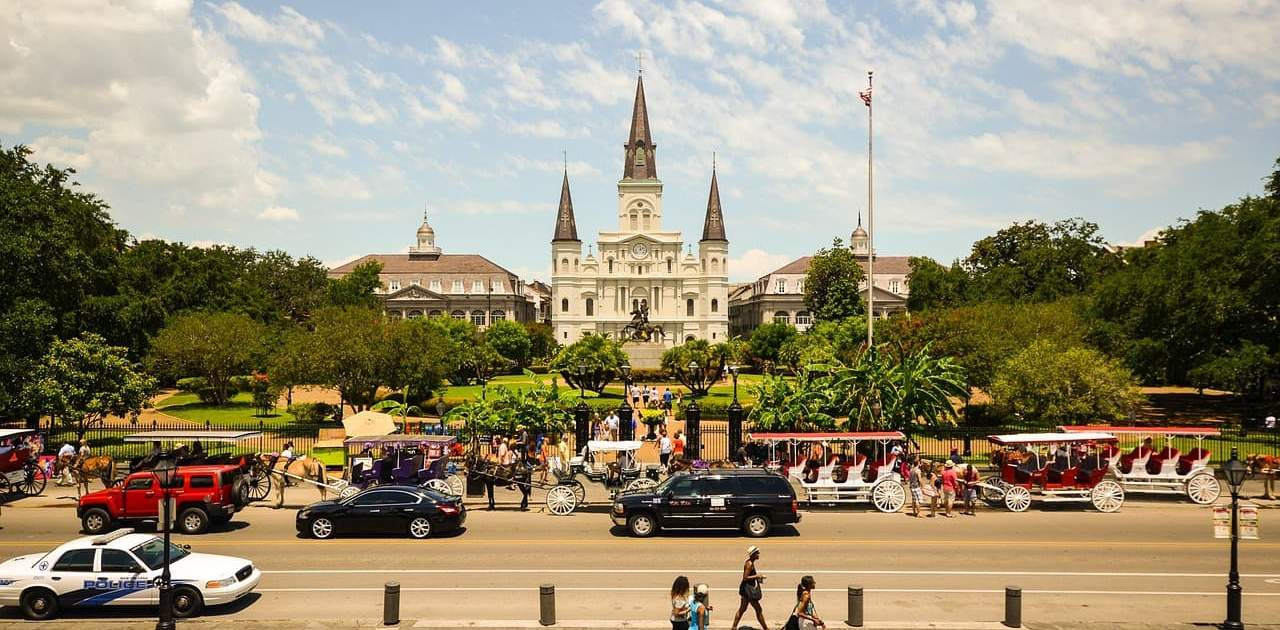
829,477
1166,471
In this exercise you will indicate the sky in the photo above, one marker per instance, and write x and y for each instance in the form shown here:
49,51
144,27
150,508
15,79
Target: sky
326,128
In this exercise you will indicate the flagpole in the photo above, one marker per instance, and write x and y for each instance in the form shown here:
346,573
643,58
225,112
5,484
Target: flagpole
871,229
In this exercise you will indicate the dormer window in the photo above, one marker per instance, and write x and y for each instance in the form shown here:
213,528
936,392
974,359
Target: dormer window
394,285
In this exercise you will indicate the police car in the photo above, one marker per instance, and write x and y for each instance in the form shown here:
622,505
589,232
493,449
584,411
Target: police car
121,569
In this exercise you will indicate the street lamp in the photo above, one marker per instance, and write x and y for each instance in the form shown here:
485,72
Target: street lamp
625,368
695,375
733,371
164,471
582,378
1235,472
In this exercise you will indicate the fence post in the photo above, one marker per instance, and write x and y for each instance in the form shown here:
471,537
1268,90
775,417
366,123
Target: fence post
581,427
1013,606
735,429
547,604
391,604
693,427
855,607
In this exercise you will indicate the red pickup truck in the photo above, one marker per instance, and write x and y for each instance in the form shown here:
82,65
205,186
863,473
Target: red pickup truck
202,495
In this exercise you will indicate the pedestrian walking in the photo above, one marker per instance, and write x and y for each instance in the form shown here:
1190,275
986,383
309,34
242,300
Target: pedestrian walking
751,589
644,396
700,608
929,487
677,446
950,483
970,484
914,482
805,615
488,468
666,399
611,425
664,449
680,603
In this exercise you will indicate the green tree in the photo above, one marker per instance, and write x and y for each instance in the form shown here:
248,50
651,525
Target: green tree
357,288
291,363
710,360
1272,182
767,341
81,381
215,346
825,343
1036,262
1242,371
351,352
831,284
600,356
800,403
511,340
421,356
1048,383
542,340
935,286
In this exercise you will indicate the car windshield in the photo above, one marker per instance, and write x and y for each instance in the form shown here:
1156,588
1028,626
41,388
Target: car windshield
151,553
666,483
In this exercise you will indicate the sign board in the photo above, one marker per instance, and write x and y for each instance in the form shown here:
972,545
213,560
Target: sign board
161,524
1248,522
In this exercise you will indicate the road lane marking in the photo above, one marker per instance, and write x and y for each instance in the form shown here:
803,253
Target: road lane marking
732,542
781,571
611,589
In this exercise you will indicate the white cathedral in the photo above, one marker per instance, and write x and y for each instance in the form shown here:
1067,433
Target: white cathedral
640,266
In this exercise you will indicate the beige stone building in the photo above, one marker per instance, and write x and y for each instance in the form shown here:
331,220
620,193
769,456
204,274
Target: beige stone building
426,282
779,295
640,265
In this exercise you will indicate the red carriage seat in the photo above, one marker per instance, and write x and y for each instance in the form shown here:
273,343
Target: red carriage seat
1030,470
1156,464
1138,456
885,464
1065,477
856,465
1196,458
1090,478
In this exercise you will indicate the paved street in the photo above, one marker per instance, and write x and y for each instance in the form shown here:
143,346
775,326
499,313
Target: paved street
1155,561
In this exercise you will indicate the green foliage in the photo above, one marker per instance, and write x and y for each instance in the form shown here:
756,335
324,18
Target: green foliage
542,341
803,403
422,354
541,408
351,350
511,340
697,364
767,341
216,346
1272,182
831,284
312,412
1035,262
357,288
1243,371
600,356
199,386
825,343
935,286
1049,383
81,381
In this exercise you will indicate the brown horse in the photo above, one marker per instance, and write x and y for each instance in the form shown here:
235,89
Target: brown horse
304,467
100,467
1268,466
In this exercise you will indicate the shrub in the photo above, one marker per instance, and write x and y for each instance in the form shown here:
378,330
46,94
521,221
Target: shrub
648,375
199,386
312,412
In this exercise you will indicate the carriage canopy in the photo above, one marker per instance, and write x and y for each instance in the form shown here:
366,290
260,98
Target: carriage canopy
1051,438
400,439
175,435
1188,431
827,437
8,434
609,446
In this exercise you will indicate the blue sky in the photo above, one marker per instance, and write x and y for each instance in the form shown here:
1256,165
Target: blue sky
324,128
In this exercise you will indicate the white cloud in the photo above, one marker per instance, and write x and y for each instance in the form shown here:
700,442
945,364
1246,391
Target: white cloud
754,263
289,27
539,129
278,213
504,207
327,87
344,186
325,145
1066,157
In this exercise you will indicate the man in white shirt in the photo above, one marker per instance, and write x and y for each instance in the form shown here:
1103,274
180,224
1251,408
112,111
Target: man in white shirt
65,455
1271,423
612,424
664,449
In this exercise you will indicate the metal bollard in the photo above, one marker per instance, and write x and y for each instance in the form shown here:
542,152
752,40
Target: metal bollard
855,607
547,604
1013,606
391,604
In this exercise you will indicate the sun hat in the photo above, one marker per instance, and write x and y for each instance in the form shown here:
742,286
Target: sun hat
703,589
753,550
949,464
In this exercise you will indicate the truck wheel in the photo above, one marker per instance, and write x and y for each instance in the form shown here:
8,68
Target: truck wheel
95,521
757,525
186,602
193,521
642,525
39,604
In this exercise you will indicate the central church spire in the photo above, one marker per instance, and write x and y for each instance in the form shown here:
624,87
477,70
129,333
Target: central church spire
641,160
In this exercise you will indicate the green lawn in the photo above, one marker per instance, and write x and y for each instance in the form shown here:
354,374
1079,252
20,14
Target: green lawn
238,412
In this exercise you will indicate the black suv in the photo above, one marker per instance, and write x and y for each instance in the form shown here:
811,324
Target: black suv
753,500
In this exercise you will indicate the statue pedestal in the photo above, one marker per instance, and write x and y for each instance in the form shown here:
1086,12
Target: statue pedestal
644,355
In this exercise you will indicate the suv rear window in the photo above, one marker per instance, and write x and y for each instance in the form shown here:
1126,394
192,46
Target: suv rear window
717,487
764,485
201,481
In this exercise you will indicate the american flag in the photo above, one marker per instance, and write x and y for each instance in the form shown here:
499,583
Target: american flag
866,96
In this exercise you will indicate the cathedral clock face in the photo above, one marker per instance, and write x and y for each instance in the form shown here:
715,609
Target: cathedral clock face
640,250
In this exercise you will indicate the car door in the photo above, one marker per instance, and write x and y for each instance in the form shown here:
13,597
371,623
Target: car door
720,494
684,504
125,575
73,578
141,497
367,512
401,507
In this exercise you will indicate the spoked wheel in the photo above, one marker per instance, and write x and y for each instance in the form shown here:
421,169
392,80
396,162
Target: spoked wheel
439,485
348,492
32,482
457,485
888,496
992,491
561,500
1203,488
258,484
643,483
1017,498
579,490
1107,496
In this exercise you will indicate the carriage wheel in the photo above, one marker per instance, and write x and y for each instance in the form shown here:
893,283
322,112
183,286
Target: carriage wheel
32,482
993,496
561,500
643,483
348,492
258,484
1107,496
457,485
888,496
1203,488
1017,498
579,490
439,485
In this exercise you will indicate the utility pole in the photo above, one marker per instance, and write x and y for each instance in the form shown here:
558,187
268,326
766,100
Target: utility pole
871,225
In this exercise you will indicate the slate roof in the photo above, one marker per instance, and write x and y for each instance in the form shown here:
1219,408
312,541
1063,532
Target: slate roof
566,226
713,224
899,265
446,263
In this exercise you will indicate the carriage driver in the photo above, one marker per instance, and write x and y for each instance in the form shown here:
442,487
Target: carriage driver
65,455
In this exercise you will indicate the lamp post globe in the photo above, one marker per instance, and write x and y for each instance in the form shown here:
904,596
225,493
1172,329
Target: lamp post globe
1235,471
733,371
164,471
582,378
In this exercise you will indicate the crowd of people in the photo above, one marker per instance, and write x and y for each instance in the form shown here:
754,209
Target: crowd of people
691,605
941,484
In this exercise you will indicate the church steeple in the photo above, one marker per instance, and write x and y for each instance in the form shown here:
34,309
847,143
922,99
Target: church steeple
641,160
713,225
566,226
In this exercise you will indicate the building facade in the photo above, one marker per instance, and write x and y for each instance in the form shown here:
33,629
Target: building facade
426,282
779,296
640,266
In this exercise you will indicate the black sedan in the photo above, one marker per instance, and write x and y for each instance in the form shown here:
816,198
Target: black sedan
418,512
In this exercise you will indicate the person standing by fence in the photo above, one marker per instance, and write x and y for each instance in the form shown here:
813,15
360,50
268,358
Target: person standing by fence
970,485
949,486
915,481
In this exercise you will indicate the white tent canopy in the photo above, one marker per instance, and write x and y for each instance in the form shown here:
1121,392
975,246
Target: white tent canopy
369,423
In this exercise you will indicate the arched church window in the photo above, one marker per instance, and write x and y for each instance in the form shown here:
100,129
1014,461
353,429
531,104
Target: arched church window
668,265
434,313
497,315
635,221
591,307
477,318
564,264
458,314
564,305
610,265
688,307
715,305
782,317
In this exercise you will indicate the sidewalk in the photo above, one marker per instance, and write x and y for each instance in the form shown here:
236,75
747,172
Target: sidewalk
319,624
